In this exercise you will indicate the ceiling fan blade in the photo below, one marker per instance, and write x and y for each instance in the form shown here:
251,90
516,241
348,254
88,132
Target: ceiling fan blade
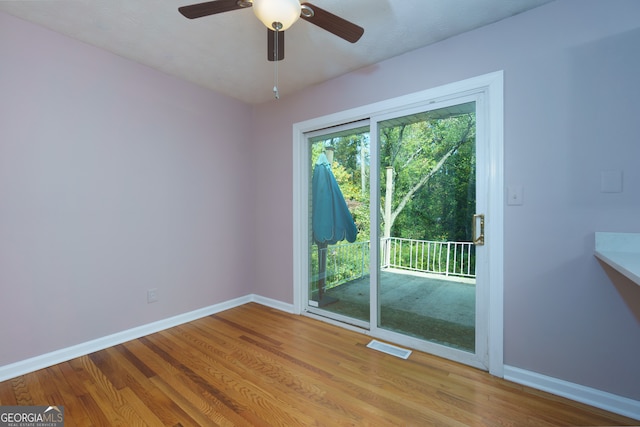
211,8
271,45
333,23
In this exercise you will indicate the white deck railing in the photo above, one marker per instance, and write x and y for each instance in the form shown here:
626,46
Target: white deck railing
350,261
446,258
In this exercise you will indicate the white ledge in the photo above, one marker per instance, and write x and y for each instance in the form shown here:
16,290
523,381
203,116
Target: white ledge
621,251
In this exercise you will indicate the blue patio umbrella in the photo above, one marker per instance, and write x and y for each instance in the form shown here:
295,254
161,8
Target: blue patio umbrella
330,217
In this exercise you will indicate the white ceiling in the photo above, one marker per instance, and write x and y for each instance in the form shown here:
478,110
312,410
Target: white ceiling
227,52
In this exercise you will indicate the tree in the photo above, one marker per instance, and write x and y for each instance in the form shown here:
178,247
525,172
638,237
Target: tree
414,153
431,192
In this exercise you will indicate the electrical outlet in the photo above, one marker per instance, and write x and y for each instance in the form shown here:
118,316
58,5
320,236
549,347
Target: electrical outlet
152,295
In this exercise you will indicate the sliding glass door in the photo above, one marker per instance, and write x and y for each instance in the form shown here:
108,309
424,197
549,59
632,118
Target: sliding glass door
393,207
338,251
426,287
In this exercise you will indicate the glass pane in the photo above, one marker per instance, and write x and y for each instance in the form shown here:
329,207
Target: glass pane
339,223
428,198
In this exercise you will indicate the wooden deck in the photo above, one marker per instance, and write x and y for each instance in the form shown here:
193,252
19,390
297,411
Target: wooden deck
429,307
256,366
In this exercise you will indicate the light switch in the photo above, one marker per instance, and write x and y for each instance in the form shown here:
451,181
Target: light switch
515,195
611,182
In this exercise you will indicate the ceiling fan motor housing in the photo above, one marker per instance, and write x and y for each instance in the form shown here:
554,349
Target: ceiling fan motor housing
278,15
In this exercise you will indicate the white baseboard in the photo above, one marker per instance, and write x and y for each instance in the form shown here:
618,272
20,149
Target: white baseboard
590,396
278,305
49,359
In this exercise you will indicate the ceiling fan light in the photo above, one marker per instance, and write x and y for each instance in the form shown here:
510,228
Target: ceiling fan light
283,12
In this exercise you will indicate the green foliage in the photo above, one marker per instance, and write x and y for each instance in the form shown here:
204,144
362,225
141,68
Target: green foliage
434,176
442,196
344,179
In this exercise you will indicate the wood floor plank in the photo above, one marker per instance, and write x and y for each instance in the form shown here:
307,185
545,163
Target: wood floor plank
111,401
391,406
236,388
72,389
240,363
257,366
7,397
276,366
95,413
27,390
155,407
291,387
203,410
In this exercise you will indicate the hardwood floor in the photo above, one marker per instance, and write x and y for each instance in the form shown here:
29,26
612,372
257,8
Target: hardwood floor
253,365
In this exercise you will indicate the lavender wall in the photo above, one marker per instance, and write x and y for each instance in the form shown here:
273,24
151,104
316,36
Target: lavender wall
571,109
114,179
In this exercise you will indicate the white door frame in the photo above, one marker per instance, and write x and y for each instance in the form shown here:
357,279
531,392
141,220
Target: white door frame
491,87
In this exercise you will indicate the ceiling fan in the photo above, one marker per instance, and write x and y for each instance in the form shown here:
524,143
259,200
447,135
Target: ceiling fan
277,16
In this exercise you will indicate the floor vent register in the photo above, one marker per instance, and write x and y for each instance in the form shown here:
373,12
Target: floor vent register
402,353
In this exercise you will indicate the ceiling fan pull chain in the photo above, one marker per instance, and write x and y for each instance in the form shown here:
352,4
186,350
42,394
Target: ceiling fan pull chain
275,64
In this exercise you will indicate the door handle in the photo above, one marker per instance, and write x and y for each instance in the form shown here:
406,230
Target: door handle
478,239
